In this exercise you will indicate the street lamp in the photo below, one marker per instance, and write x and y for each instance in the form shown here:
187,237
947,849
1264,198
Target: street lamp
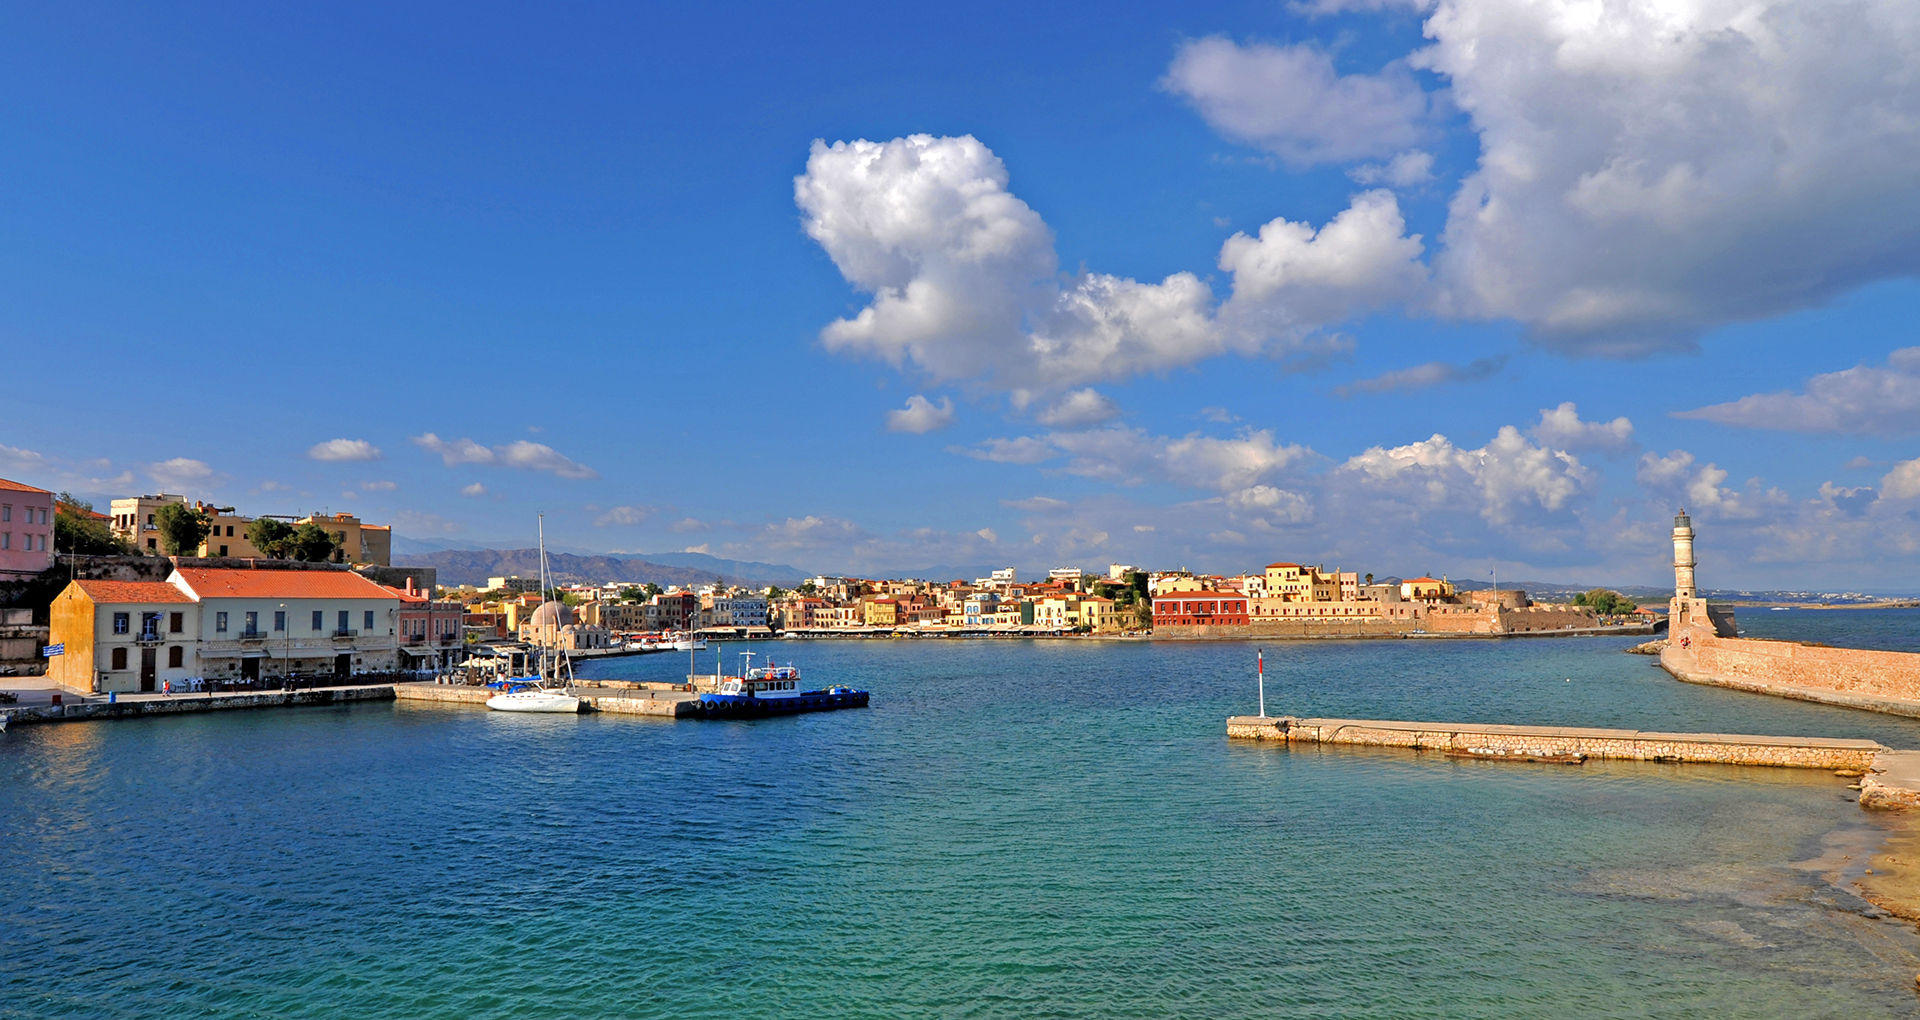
287,666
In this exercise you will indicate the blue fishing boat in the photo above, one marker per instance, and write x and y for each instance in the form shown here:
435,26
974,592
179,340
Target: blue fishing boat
774,690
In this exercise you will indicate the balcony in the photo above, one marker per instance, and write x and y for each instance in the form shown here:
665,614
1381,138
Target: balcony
345,634
147,637
253,634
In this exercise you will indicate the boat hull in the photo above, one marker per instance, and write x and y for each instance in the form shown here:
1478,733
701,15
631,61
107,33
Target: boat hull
735,706
534,701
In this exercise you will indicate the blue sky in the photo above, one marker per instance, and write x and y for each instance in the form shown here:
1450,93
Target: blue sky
450,266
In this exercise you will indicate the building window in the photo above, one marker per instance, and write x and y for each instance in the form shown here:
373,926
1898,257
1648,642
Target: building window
6,511
280,621
369,618
317,625
253,623
151,544
176,623
220,622
176,657
223,550
120,658
6,539
149,626
229,533
120,622
343,621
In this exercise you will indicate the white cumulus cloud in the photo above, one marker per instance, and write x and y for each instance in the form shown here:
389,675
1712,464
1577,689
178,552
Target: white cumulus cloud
520,454
921,415
1649,170
343,449
1506,477
1862,400
1132,456
623,515
1290,101
1293,277
1562,428
1080,407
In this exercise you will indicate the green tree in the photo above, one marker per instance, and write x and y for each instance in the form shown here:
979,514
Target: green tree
1605,602
808,588
274,539
76,531
654,589
182,529
313,543
633,593
774,591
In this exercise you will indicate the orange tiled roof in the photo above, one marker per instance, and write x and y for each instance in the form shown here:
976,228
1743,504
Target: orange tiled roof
131,591
20,487
401,594
1424,580
216,583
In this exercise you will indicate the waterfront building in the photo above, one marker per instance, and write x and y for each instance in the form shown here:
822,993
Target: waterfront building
1199,608
123,635
1098,614
432,632
26,530
221,624
256,624
881,612
513,583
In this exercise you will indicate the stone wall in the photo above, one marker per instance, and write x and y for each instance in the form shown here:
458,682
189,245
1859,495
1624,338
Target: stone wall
1631,745
1856,677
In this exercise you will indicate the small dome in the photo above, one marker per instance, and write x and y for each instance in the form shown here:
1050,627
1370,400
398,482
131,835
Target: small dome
551,614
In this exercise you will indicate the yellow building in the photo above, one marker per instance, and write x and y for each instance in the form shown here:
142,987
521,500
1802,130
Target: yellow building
1426,588
881,612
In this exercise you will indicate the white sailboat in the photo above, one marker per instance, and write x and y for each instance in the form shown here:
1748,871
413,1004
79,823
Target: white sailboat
536,695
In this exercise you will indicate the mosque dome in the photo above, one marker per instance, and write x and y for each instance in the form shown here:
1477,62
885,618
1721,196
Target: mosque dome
552,614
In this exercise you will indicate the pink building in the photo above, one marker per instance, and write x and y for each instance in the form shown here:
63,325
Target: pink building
26,530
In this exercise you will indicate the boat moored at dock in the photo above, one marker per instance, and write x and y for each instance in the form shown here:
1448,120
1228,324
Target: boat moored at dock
774,690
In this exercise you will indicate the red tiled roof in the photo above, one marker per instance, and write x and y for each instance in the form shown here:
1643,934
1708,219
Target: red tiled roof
417,596
20,487
131,591
1423,580
216,583
1270,566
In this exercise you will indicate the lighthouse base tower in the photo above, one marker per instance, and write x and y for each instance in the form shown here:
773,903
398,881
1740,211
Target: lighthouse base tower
1688,614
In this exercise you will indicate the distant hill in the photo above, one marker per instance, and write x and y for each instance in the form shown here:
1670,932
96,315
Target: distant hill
474,566
771,573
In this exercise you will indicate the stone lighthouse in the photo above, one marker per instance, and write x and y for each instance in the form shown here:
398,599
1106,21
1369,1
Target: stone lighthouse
1688,615
1683,556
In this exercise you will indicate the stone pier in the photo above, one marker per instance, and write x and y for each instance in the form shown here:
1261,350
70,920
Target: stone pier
1519,741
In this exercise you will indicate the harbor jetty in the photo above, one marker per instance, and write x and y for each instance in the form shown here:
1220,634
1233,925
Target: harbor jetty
1704,647
1487,740
662,700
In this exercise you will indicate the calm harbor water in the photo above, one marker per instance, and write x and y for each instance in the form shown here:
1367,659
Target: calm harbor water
1014,829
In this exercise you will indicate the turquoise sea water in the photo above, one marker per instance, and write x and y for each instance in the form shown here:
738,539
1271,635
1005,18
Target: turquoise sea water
1013,829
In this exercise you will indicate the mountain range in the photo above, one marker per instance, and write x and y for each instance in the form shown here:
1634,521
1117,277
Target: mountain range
474,566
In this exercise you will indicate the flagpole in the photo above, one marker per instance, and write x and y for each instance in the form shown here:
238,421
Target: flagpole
1260,660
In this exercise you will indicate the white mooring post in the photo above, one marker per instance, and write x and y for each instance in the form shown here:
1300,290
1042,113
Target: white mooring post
1260,670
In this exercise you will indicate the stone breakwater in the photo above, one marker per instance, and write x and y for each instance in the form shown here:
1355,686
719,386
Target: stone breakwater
1850,677
140,706
1517,741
